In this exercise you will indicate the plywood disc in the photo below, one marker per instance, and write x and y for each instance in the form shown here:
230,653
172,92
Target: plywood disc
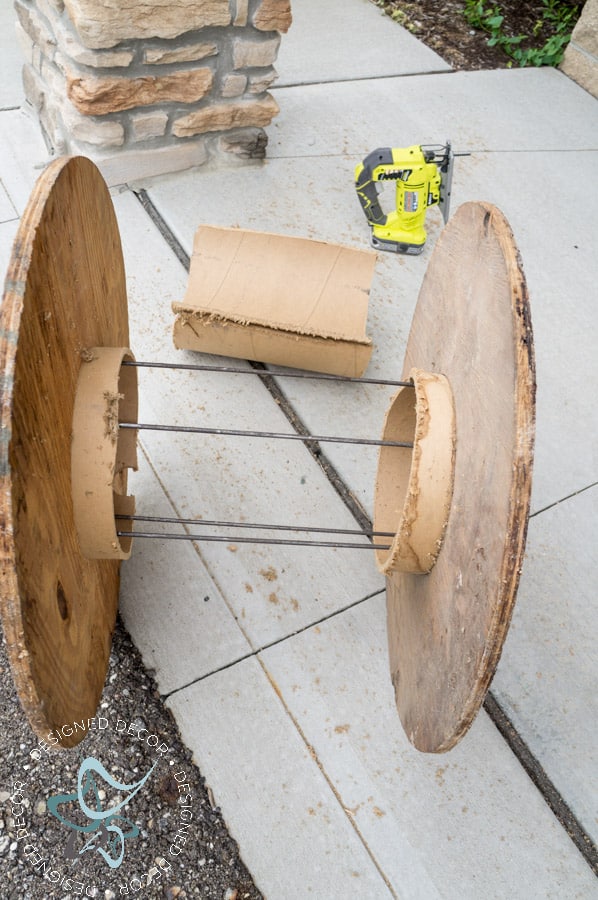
64,292
446,629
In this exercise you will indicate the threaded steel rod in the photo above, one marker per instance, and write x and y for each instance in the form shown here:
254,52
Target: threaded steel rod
212,523
264,373
274,435
165,536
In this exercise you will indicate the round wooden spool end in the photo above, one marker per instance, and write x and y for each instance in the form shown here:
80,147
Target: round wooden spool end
64,294
446,628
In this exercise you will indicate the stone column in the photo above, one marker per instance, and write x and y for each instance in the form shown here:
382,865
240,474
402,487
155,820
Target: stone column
581,56
143,87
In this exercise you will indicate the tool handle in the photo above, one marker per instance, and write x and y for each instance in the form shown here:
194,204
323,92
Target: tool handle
366,185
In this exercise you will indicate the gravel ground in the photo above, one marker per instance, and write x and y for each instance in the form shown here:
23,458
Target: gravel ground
182,849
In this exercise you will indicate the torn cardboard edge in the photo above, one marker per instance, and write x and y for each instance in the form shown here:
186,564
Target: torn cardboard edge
283,300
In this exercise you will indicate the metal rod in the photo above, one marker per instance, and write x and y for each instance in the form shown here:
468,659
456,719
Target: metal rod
249,540
211,523
264,373
233,432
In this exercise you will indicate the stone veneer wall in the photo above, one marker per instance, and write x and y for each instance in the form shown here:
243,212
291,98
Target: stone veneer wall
581,56
145,87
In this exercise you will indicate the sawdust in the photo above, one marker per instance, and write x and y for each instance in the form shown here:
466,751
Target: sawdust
195,319
270,574
111,415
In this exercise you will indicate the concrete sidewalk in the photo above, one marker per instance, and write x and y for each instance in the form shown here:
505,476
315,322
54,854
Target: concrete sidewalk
274,660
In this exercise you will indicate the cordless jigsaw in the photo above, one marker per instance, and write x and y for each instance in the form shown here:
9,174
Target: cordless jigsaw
423,176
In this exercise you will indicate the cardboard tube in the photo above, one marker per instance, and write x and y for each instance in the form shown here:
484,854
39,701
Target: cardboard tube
414,491
101,454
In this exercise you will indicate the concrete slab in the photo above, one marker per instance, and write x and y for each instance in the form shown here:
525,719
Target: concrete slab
531,109
300,742
294,835
7,210
23,155
11,60
432,826
286,196
326,43
561,271
308,190
273,591
563,311
170,606
546,680
431,822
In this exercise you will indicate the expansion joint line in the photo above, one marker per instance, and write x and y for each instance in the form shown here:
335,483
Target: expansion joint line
281,640
534,769
329,781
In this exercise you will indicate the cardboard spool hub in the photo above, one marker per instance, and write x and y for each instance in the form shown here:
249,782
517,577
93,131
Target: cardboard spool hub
457,503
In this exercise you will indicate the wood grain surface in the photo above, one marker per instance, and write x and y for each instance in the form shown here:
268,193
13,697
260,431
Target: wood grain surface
446,629
64,293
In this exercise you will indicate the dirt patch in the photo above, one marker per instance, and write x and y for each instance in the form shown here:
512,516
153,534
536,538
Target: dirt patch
443,28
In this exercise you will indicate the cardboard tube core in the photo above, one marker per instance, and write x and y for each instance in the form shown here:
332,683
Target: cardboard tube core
414,491
101,453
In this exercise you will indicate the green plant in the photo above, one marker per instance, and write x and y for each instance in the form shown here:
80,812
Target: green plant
478,14
557,19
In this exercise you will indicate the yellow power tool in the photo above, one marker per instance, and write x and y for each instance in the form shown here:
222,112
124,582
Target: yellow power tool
423,176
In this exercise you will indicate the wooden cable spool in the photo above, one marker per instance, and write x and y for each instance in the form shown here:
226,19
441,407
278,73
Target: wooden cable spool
447,628
457,505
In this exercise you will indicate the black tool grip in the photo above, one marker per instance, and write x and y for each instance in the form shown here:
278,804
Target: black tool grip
366,186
